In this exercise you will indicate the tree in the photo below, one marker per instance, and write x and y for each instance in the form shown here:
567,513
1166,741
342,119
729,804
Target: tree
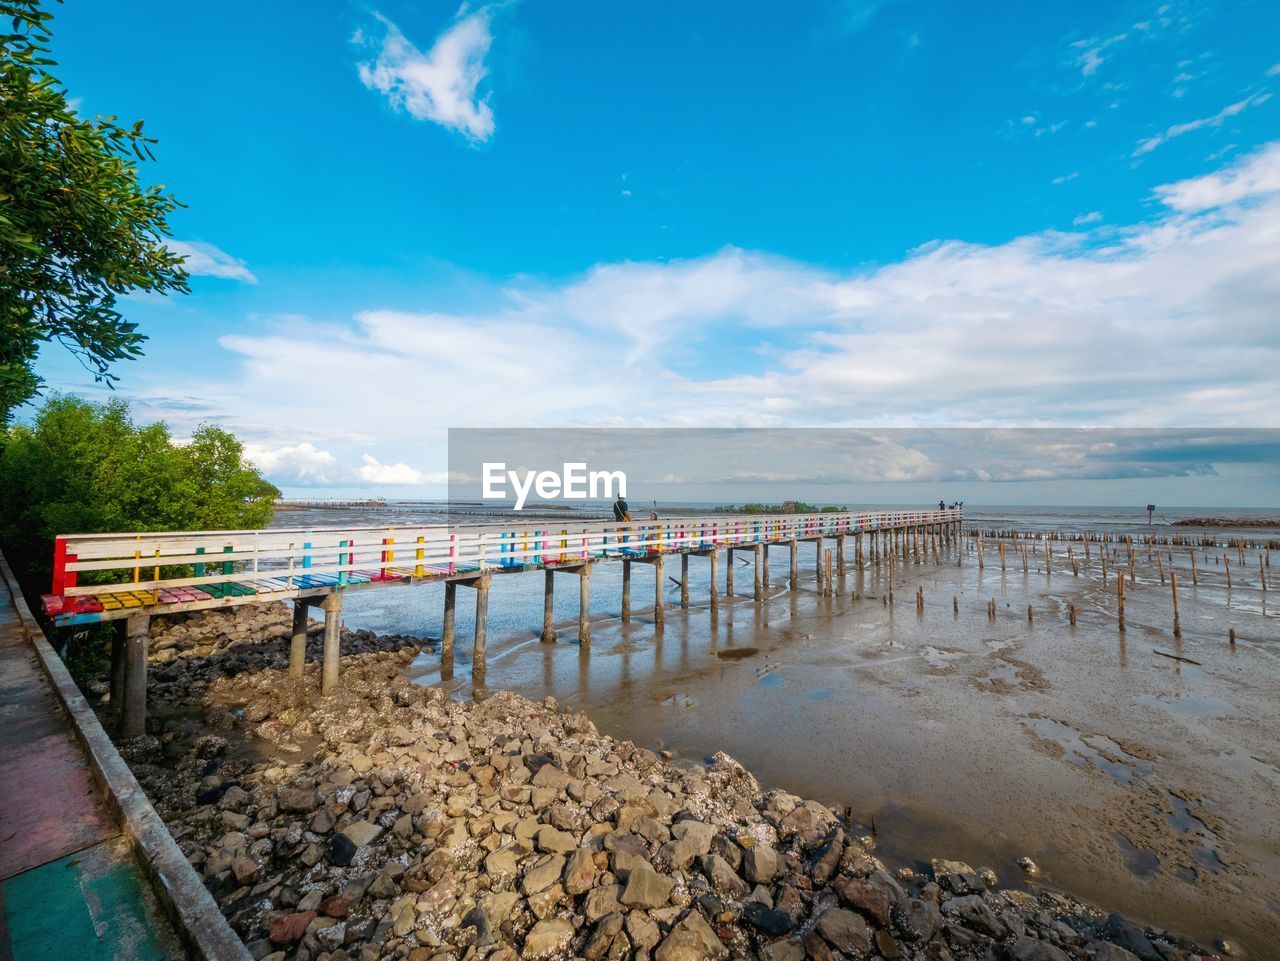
77,227
87,468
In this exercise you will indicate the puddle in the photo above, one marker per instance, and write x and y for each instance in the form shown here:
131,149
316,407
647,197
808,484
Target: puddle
1139,862
772,680
1189,705
822,694
940,657
1088,750
737,653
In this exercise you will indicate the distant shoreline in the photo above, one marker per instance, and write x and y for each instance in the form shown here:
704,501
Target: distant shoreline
1228,522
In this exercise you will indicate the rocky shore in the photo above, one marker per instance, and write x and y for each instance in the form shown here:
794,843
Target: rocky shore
388,821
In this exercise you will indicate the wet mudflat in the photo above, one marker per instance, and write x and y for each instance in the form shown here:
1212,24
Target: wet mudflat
1144,783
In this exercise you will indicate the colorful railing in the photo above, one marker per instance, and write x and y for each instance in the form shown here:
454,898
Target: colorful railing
105,576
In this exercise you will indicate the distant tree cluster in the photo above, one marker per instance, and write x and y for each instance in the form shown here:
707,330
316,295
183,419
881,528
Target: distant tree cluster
84,468
787,507
78,229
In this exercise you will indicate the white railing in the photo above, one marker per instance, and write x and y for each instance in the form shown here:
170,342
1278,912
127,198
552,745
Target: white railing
297,560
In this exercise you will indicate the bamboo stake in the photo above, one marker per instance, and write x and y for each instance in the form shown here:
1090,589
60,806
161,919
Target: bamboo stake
1120,600
1071,614
1177,620
1195,574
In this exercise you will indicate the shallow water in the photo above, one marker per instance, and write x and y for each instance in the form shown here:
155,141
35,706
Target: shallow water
1146,784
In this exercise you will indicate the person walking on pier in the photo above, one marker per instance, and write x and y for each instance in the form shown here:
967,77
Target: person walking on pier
620,510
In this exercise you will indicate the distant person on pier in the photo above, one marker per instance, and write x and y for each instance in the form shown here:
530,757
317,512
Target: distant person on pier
942,505
620,510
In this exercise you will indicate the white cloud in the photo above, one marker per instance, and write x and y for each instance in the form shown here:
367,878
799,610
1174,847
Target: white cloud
303,462
372,472
1063,178
442,84
1092,217
1090,57
1257,175
206,260
1178,129
1274,70
1168,322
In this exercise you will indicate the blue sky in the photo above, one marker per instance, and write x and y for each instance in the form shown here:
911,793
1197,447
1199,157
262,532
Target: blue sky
407,216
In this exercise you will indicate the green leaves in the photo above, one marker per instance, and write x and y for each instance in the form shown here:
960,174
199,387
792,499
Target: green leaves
77,226
86,468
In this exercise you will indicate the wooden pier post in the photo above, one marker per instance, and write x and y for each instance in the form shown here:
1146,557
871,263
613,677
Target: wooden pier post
840,555
584,606
765,574
1227,562
659,576
1177,620
1195,574
857,550
446,634
728,572
794,580
758,580
548,605
133,719
684,581
481,586
298,639
1120,599
818,561
626,588
332,607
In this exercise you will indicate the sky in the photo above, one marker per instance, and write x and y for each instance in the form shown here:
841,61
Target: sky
404,217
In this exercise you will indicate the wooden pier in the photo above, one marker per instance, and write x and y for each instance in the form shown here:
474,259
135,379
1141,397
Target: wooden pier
134,577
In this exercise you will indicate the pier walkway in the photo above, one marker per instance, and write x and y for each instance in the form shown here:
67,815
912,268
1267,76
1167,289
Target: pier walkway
133,577
69,884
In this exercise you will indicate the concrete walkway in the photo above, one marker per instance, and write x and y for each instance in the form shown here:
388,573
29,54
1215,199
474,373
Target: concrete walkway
69,886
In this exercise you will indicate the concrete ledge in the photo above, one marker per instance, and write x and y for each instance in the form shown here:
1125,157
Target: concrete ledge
194,914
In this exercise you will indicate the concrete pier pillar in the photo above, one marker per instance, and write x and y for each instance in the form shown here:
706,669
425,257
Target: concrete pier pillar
626,591
446,636
332,606
794,551
548,605
133,720
715,573
857,551
659,576
758,580
818,560
840,555
765,572
728,573
684,581
298,640
482,616
584,606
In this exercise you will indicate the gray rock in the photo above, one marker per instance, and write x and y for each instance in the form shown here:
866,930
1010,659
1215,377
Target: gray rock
1120,930
845,931
549,937
1032,949
691,940
918,920
579,872
760,864
976,914
542,875
646,888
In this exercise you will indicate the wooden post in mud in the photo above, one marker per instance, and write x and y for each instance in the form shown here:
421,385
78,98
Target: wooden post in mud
659,576
1177,620
714,590
684,581
1071,557
133,717
840,555
955,605
1120,600
1024,557
1195,574
728,572
446,633
758,577
1071,614
919,600
980,559
793,549
1262,574
1002,556
548,605
1104,569
1029,618
626,586
298,639
332,607
830,583
890,578
1227,563
1086,547
765,569
857,551
481,586
584,606
1048,557
1160,566
818,561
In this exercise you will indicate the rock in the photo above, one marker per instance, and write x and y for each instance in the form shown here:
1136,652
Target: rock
646,888
760,864
918,920
296,799
769,920
606,929
786,949
290,927
644,931
477,919
865,897
340,850
845,931
602,900
942,866
550,776
383,886
1032,949
691,940
1106,951
553,841
543,874
547,938
722,877
699,835
976,914
1120,930
335,906
579,872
